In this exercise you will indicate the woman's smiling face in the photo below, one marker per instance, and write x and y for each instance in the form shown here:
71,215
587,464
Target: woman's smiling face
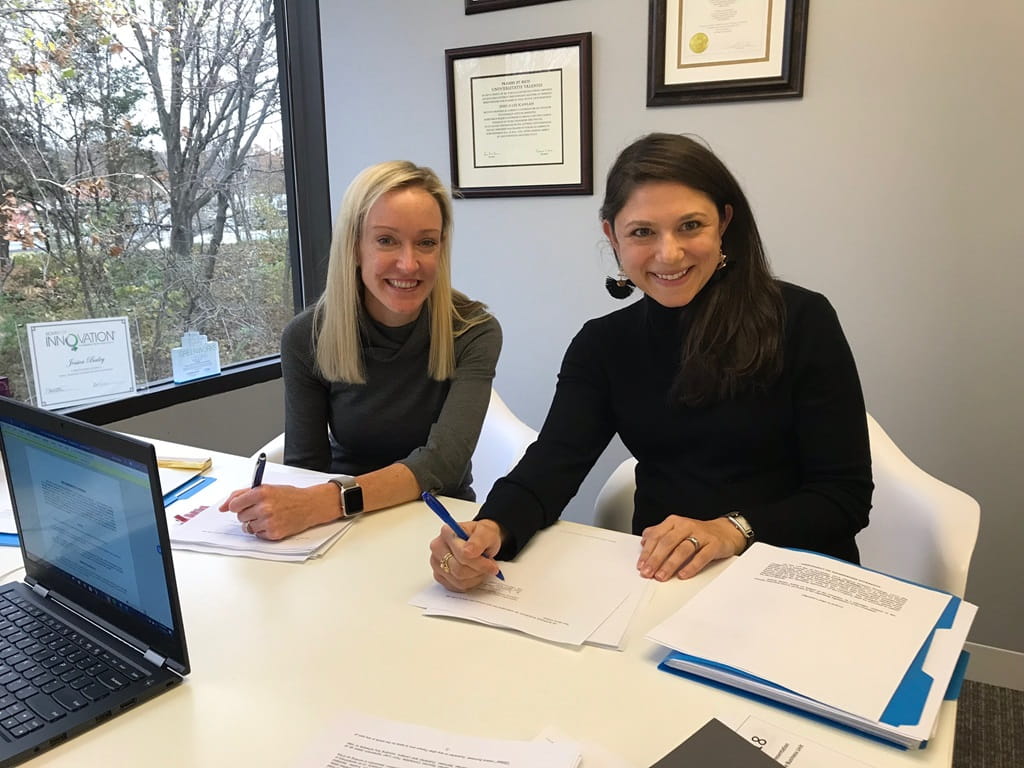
398,254
668,239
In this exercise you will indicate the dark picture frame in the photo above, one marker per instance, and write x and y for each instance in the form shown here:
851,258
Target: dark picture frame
520,119
775,72
483,6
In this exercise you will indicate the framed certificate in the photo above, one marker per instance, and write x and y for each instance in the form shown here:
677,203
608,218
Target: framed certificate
81,361
519,118
703,51
482,6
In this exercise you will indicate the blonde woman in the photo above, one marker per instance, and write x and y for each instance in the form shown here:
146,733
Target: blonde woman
388,377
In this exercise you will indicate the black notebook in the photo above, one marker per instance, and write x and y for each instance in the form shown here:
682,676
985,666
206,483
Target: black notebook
715,744
95,627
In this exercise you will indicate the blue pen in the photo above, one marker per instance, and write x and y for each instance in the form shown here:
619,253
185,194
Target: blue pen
257,476
447,519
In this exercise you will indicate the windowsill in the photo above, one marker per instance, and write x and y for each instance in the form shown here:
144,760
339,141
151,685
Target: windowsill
166,394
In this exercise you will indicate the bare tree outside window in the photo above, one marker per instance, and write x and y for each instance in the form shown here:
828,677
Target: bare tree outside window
142,173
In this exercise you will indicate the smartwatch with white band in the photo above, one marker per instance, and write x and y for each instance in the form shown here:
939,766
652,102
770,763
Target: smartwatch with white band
351,495
743,527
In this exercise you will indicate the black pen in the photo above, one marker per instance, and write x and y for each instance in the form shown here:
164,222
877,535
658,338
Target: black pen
257,476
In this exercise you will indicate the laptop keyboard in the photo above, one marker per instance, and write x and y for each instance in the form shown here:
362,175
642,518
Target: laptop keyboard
47,669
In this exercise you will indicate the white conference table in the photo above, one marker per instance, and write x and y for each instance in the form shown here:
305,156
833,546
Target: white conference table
278,649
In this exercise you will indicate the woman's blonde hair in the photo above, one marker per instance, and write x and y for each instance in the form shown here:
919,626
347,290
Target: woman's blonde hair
336,319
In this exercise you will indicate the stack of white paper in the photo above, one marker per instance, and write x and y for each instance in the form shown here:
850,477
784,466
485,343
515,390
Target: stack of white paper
206,529
570,585
221,533
825,636
360,740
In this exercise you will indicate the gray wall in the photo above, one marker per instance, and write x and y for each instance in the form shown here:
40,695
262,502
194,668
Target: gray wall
236,422
892,186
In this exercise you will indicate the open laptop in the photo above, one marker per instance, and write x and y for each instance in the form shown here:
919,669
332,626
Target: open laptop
95,628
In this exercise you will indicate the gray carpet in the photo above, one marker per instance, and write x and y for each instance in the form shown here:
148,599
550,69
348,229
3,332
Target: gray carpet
989,727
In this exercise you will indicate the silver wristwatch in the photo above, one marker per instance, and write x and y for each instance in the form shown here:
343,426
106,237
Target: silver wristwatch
742,526
351,495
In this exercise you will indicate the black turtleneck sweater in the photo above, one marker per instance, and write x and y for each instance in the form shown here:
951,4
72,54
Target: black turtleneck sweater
793,458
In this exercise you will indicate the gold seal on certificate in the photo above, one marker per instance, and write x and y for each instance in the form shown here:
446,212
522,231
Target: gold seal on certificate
699,43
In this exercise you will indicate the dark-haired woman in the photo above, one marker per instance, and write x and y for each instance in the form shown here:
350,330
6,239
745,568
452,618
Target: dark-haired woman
737,393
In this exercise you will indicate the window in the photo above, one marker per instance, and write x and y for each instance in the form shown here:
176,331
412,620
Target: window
147,169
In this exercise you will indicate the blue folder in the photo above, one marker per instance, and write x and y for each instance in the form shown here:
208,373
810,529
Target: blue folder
188,488
906,705
952,692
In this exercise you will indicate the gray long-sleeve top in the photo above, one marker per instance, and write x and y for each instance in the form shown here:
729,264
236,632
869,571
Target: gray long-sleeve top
400,414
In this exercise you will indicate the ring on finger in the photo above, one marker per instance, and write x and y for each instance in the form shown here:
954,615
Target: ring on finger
693,540
444,563
248,526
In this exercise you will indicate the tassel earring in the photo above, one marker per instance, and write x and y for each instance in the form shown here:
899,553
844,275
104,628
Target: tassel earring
619,287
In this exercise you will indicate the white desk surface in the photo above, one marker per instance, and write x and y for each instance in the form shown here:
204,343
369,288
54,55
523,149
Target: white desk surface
278,648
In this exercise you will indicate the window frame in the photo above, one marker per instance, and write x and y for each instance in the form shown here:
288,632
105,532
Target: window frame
300,78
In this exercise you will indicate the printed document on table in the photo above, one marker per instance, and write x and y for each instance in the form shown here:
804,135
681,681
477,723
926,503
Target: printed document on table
563,587
361,741
198,524
822,627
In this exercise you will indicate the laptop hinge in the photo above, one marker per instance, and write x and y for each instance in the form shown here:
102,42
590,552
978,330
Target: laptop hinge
154,658
40,590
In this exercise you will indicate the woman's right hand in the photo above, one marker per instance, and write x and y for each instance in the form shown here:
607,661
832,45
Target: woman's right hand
462,565
275,512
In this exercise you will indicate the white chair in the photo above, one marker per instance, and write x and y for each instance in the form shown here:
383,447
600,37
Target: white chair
503,440
614,506
274,450
920,528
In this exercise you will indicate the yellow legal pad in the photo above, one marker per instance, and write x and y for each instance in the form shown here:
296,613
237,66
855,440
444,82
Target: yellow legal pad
196,463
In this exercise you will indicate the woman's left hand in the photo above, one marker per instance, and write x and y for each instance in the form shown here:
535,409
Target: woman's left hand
679,546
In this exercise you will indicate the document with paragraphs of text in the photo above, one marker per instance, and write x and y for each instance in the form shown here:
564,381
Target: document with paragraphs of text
572,584
823,635
361,741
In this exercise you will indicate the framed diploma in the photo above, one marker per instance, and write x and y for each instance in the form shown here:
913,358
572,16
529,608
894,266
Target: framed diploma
702,51
482,6
519,118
